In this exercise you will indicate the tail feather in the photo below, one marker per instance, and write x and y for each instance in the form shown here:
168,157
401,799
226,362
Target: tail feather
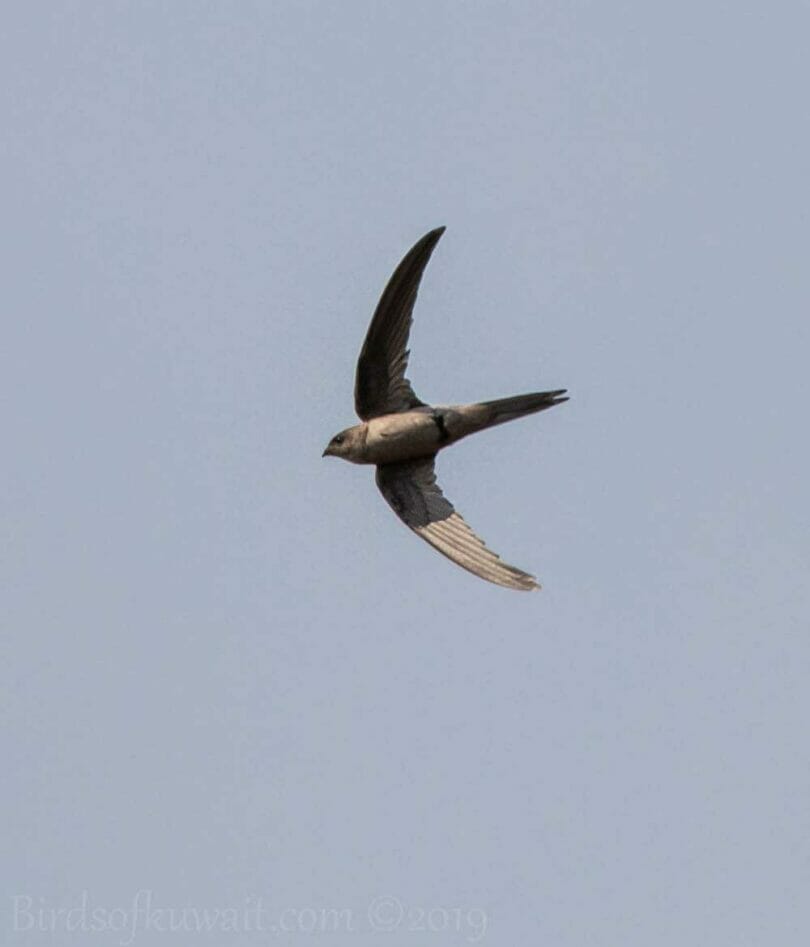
507,409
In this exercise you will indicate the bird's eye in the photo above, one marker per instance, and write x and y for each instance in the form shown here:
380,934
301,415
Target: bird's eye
337,439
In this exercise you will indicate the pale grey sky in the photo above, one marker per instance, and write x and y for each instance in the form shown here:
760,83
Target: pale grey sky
219,693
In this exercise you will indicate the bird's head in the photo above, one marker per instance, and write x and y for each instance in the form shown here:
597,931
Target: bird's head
346,444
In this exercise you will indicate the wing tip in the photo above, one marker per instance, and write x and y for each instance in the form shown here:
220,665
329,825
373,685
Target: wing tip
433,236
526,583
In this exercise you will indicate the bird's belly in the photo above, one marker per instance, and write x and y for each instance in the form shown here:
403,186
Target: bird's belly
394,438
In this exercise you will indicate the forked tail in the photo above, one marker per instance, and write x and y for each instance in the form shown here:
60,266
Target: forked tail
460,420
507,409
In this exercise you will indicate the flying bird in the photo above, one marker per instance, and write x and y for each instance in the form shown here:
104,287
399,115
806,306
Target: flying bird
402,435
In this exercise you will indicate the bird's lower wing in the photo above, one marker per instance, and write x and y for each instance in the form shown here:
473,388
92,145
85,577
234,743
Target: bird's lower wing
413,494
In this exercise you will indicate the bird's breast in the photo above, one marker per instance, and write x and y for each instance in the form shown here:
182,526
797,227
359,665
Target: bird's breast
394,438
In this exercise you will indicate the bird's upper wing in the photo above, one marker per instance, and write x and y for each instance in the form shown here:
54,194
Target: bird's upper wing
413,494
380,385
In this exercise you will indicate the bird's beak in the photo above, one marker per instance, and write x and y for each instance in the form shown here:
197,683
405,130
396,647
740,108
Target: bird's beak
326,453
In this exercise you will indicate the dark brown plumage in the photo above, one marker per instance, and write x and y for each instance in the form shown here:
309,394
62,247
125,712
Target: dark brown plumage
402,435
